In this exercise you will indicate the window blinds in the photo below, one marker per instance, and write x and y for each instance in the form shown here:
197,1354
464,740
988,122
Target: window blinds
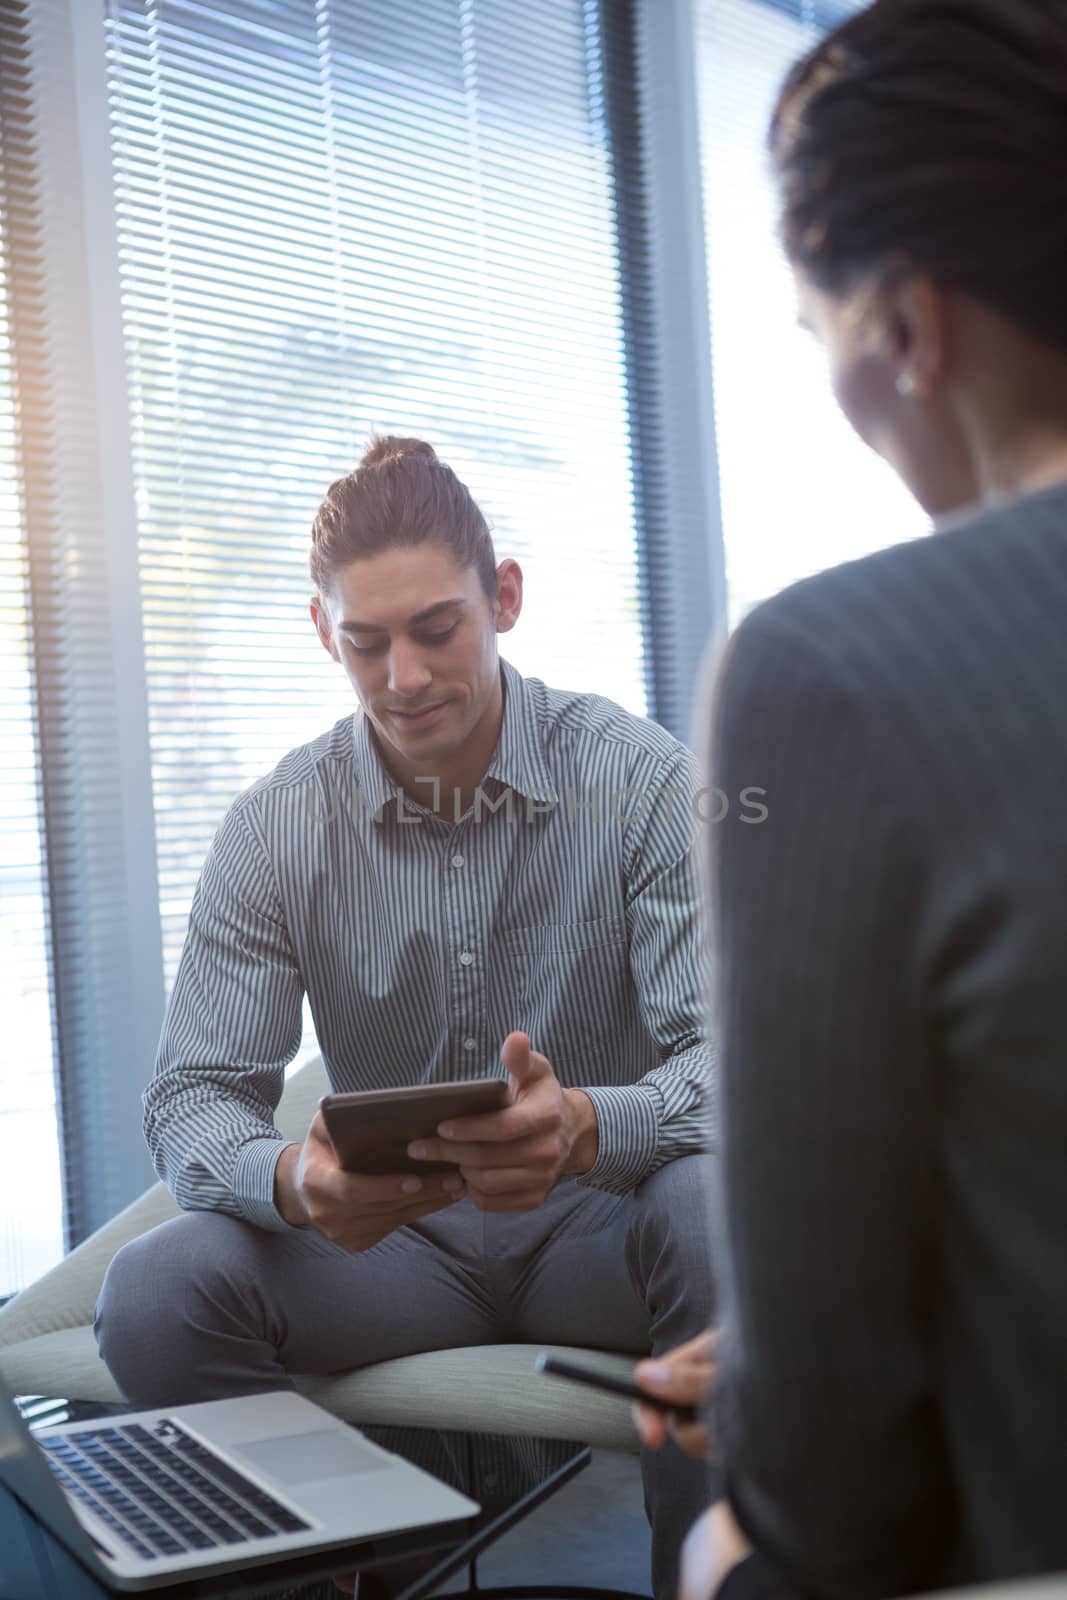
31,1237
336,217
799,491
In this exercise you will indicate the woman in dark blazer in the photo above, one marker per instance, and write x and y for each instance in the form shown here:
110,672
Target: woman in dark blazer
890,1402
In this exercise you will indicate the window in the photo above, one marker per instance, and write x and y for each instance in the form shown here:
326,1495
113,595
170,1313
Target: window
799,491
340,217
262,230
31,1237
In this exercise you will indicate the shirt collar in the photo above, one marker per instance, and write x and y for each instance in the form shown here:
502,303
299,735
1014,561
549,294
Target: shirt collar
375,784
518,761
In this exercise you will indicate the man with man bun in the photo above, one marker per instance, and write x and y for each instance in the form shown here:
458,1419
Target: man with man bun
474,875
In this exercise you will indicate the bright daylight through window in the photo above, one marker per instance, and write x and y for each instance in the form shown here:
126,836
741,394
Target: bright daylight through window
799,491
339,218
31,1237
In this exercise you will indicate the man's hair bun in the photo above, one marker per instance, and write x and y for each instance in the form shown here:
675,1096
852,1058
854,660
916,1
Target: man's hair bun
388,447
400,495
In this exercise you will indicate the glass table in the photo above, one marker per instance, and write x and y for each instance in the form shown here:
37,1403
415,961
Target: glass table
508,1477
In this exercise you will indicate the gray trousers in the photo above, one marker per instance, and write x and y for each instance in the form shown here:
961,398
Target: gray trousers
206,1306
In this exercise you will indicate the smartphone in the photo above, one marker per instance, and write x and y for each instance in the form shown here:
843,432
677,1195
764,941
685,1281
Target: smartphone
371,1131
613,1385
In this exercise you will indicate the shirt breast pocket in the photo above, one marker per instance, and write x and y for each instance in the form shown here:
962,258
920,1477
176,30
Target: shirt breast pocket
572,984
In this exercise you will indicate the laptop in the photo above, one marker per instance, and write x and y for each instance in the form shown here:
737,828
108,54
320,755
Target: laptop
152,1497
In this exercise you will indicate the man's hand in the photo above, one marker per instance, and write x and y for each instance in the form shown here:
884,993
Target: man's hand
312,1189
511,1159
686,1376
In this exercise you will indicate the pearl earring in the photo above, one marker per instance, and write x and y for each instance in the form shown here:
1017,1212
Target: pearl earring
906,384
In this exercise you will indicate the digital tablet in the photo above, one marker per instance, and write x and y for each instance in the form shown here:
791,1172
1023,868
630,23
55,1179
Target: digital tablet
372,1130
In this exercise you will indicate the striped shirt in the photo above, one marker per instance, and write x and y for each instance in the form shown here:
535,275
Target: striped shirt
562,903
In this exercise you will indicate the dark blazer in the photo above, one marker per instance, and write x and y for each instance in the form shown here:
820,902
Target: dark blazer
891,992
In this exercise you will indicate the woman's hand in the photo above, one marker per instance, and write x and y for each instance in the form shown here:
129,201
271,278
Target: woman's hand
686,1376
713,1547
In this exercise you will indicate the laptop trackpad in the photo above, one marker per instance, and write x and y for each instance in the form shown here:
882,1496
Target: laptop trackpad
300,1457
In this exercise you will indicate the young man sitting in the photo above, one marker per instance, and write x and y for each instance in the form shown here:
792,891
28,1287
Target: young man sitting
474,875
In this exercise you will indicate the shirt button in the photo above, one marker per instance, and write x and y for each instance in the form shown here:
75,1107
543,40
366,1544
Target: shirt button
466,958
458,861
469,1044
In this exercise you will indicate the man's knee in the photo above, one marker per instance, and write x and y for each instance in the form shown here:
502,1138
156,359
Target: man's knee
672,1230
678,1193
153,1280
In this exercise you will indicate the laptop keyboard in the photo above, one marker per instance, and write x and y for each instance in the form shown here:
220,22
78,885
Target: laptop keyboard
162,1492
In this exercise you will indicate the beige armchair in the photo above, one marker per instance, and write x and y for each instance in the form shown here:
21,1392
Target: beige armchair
47,1345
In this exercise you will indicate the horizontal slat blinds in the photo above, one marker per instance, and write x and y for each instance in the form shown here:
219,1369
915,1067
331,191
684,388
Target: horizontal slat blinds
340,216
799,492
31,1235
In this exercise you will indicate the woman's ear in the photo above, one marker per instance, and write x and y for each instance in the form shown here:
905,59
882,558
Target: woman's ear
919,335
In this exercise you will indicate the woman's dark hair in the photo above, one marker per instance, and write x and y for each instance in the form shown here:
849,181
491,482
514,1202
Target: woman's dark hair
930,136
399,495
